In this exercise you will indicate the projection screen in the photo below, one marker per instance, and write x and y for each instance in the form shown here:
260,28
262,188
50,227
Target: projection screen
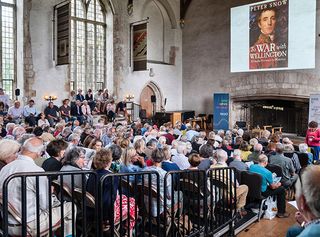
273,35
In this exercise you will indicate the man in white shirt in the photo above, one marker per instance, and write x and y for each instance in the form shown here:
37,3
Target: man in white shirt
4,98
15,112
30,113
31,150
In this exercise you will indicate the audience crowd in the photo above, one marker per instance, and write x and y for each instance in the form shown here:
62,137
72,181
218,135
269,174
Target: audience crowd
85,135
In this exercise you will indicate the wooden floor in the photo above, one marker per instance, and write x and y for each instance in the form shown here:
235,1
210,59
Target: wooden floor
277,227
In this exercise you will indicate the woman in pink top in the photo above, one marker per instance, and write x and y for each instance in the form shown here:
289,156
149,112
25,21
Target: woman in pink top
313,138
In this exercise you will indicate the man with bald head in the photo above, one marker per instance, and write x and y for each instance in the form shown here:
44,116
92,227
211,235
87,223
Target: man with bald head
31,150
257,151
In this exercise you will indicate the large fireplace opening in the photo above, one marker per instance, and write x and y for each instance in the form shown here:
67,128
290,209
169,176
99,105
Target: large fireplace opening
291,115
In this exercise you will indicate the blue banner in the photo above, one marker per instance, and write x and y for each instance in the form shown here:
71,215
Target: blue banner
221,111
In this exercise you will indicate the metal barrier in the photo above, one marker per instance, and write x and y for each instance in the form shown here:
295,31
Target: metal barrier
45,204
149,203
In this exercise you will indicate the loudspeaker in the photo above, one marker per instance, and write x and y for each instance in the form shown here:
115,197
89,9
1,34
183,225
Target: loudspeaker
17,92
153,99
143,114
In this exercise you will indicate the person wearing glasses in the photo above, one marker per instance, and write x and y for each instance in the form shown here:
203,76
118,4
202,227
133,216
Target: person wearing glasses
307,197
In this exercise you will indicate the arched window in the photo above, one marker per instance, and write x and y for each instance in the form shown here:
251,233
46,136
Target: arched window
88,45
8,45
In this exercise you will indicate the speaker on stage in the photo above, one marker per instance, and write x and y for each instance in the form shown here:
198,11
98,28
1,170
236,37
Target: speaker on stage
17,92
153,99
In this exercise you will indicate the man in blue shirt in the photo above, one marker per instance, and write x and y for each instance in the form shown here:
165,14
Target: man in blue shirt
268,187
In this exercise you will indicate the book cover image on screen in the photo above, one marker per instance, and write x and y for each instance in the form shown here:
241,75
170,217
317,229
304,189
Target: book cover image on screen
268,35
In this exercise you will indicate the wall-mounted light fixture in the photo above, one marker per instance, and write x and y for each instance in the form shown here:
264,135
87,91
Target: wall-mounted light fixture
50,98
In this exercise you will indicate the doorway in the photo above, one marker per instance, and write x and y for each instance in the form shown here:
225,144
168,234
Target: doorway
145,101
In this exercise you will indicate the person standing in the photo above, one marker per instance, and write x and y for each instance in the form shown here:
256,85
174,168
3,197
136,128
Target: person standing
313,138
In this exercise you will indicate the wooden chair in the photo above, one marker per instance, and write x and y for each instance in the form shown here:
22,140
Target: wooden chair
90,203
146,192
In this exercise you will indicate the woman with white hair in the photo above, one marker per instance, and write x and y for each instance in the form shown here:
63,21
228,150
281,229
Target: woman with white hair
303,148
9,151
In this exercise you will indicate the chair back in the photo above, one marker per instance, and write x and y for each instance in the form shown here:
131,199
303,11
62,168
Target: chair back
303,159
254,183
89,199
275,169
66,191
189,186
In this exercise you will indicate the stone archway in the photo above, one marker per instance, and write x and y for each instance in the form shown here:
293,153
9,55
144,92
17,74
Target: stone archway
151,90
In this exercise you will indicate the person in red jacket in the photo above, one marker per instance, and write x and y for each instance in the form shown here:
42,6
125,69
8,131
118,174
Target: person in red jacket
313,138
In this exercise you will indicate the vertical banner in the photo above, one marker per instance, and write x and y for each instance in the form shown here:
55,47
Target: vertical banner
63,38
221,111
314,108
140,47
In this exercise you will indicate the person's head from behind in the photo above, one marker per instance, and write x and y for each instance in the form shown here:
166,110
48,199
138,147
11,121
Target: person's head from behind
237,154
263,160
75,157
103,159
74,138
194,160
279,148
206,151
258,148
57,148
182,148
140,145
167,152
303,148
222,156
157,156
129,156
244,146
32,147
9,150
267,21
308,192
116,152
152,144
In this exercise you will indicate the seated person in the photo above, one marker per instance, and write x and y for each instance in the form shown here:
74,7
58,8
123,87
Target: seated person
288,171
9,151
131,162
241,190
51,112
303,148
157,157
65,110
307,197
167,164
55,150
76,111
237,162
30,113
269,188
15,113
86,112
73,161
31,150
110,199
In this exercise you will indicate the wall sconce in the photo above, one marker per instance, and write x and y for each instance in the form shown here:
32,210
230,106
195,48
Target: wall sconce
50,98
129,97
151,73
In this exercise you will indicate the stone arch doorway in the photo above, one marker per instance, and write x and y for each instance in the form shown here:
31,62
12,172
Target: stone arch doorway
149,91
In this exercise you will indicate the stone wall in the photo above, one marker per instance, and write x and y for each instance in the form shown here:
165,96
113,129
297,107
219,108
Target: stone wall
206,63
